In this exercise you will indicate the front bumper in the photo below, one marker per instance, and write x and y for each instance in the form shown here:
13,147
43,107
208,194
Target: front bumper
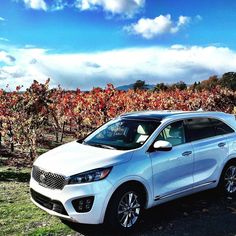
101,190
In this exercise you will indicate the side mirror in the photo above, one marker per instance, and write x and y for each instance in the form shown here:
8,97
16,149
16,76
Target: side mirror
162,146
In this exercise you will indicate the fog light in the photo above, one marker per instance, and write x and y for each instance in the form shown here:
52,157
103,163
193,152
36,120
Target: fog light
88,201
83,204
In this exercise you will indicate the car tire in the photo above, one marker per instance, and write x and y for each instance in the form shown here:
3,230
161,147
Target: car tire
125,208
227,185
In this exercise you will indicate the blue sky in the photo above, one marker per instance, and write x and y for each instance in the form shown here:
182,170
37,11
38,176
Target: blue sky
86,43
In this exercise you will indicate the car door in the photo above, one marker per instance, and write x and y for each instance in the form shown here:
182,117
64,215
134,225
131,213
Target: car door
172,170
210,149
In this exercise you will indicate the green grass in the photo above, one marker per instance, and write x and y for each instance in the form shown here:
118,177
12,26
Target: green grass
18,216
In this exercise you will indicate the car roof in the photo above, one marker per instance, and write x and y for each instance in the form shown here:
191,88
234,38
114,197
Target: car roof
161,115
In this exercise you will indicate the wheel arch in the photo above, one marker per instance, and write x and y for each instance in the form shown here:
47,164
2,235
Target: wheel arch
226,165
230,160
133,183
140,183
227,162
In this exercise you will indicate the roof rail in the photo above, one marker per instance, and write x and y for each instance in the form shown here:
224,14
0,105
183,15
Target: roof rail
200,109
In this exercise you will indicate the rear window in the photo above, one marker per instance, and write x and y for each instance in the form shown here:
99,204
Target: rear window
199,128
221,128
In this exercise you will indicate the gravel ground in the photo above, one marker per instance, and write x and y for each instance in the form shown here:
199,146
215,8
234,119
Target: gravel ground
201,214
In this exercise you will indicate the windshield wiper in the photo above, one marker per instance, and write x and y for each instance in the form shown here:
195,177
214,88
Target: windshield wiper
100,145
107,146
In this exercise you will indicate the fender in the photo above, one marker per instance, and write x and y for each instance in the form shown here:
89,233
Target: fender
137,178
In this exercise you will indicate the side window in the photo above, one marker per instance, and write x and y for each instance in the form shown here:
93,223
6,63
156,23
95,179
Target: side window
200,128
173,133
221,128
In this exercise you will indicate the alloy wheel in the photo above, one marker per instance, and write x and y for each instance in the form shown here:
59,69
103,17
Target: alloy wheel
129,209
230,179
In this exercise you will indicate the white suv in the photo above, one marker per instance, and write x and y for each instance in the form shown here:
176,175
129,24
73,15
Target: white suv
135,162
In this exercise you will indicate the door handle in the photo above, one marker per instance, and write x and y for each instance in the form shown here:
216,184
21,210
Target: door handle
187,153
221,144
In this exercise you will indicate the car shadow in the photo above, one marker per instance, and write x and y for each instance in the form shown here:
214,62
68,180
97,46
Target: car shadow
206,213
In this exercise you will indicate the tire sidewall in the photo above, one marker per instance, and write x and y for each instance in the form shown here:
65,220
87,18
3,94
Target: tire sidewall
112,216
222,181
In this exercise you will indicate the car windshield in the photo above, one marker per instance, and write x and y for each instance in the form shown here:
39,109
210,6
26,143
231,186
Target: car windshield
122,134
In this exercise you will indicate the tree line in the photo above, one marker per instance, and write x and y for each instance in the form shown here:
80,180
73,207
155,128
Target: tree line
227,80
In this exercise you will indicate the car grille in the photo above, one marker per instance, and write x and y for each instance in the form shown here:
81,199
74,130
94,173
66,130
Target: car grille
48,203
48,179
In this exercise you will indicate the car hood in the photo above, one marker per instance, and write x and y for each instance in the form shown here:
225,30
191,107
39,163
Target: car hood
73,158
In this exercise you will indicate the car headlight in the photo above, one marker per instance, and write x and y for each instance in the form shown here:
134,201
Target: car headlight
90,176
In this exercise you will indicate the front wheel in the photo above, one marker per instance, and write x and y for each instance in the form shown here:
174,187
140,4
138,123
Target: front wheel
228,180
125,208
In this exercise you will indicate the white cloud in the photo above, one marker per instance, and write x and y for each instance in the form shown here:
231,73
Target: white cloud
4,39
36,4
124,7
6,58
183,20
59,5
150,28
2,19
127,8
125,66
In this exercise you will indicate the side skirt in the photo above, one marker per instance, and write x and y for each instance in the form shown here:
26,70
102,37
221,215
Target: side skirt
157,198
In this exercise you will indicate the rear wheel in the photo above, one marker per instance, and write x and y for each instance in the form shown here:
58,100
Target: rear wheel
125,208
228,180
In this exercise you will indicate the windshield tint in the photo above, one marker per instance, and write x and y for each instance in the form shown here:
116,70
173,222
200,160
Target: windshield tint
123,134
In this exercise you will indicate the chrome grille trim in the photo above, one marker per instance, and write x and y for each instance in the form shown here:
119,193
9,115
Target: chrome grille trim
48,179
